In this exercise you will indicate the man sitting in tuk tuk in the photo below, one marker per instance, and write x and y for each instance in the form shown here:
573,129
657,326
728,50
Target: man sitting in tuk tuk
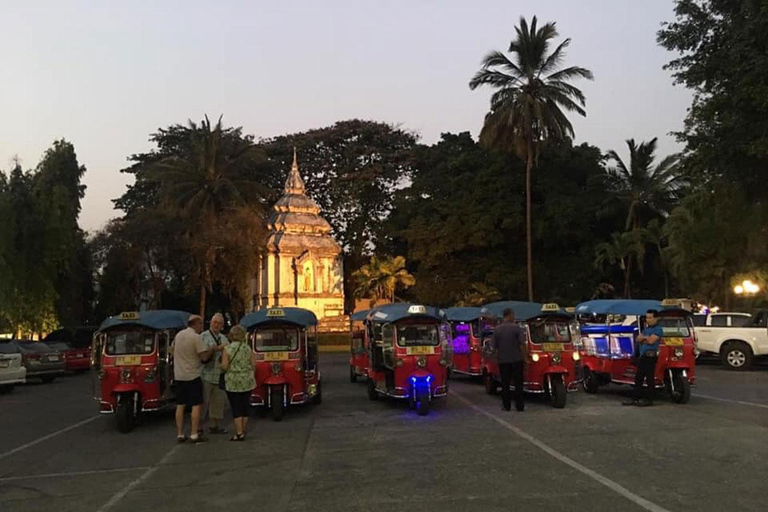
649,342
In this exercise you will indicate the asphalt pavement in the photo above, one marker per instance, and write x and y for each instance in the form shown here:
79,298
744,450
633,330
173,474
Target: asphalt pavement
351,454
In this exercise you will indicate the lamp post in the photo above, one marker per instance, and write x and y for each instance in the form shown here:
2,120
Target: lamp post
747,288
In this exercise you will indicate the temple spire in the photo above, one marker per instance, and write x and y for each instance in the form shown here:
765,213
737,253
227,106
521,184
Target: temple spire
294,184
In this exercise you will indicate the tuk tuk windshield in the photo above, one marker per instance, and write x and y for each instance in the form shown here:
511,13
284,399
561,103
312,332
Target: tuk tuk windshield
550,331
276,339
675,327
130,342
417,335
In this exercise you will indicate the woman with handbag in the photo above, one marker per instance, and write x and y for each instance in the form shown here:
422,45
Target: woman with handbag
237,365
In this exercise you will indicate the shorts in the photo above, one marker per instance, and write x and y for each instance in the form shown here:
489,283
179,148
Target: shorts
214,399
189,392
240,403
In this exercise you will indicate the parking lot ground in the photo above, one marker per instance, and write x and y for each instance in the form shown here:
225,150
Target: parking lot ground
57,454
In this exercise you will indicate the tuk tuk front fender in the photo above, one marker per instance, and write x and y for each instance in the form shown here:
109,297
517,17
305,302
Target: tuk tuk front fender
276,380
555,370
125,388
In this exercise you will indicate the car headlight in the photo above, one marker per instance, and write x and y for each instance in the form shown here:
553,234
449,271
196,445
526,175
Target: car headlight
576,356
421,362
678,352
535,358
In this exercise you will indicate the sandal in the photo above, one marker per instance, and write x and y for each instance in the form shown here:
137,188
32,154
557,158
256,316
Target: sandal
182,439
237,437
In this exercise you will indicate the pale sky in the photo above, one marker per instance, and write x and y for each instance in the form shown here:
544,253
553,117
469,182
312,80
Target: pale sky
104,75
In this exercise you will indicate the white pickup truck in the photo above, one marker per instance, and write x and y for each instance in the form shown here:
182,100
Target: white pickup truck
736,346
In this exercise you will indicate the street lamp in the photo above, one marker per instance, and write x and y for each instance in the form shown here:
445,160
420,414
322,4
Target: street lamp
747,287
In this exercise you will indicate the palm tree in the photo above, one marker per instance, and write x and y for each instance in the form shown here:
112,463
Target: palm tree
527,108
206,183
379,279
645,189
654,235
479,294
619,251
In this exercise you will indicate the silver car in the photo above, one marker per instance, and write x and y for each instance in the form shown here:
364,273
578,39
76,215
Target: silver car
40,360
12,372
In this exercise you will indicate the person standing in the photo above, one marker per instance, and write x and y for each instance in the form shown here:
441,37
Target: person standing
648,354
213,397
508,342
238,362
189,352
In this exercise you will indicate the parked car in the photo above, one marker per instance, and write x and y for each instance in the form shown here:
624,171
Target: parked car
721,319
12,372
75,359
737,346
40,360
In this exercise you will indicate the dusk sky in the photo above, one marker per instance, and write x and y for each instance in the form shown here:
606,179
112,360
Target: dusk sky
105,75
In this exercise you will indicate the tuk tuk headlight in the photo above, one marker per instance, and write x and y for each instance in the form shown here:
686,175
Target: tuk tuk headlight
443,362
399,363
298,367
535,358
678,353
556,358
150,375
126,375
576,356
277,368
421,362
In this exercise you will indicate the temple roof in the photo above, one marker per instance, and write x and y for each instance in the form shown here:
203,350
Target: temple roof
295,223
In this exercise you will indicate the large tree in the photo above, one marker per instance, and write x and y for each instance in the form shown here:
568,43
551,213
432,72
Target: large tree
533,91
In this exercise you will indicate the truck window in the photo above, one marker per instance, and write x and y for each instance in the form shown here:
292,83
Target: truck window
699,320
740,320
719,320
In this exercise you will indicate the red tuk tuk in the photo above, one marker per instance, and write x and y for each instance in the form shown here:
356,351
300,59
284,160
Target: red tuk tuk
358,361
608,331
409,353
552,365
285,343
133,369
467,326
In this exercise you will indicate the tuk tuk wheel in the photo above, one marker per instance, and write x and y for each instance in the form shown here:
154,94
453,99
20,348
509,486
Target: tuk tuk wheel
682,389
124,416
318,398
559,394
372,393
421,402
276,403
352,374
590,382
490,384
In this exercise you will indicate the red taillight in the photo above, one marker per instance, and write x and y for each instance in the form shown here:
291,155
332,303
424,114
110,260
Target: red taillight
33,357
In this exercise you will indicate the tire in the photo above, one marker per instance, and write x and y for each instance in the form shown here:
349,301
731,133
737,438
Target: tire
276,403
318,398
372,393
490,384
352,375
126,420
48,378
737,356
422,403
682,392
591,383
558,395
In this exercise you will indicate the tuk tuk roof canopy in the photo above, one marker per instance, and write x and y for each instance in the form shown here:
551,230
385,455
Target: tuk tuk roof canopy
463,314
401,310
523,310
157,319
297,316
617,307
360,315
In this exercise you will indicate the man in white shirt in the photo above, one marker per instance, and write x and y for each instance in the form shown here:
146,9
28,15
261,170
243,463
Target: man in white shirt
189,352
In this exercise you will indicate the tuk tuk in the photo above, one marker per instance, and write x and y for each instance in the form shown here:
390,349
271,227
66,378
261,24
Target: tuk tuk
552,365
467,327
608,332
358,361
132,364
409,353
285,343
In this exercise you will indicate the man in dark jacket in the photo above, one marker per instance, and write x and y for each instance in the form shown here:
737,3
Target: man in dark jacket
509,342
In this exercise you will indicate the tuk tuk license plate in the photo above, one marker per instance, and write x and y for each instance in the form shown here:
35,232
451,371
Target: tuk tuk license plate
128,360
552,347
673,342
419,351
276,356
